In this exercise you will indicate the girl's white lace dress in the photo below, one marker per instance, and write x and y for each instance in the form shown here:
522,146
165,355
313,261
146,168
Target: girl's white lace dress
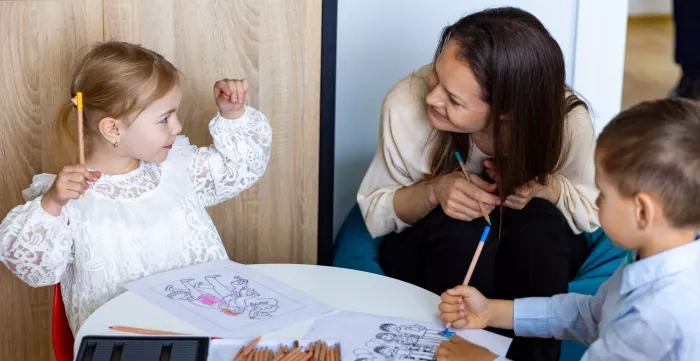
132,225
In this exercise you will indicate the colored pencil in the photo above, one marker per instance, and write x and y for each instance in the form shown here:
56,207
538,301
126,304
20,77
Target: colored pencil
143,331
466,175
81,142
472,265
318,350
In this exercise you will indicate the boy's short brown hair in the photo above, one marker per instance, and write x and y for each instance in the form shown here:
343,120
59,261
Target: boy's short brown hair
654,147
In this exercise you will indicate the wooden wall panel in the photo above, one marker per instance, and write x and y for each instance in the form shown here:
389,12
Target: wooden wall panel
276,44
39,44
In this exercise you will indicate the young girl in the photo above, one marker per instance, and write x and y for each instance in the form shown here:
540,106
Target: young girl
145,188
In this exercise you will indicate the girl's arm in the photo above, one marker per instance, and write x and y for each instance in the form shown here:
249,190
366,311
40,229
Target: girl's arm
236,160
36,246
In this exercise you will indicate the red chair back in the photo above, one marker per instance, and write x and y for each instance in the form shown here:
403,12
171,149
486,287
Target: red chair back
60,330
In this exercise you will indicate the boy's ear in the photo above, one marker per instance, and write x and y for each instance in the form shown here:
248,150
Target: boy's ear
109,128
645,210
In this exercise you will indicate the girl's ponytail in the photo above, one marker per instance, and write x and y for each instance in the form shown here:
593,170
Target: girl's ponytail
65,128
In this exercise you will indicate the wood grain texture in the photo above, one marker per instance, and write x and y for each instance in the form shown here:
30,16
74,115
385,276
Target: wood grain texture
45,38
276,44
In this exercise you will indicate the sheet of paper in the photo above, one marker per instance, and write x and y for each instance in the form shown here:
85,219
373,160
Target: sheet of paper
365,337
226,349
228,299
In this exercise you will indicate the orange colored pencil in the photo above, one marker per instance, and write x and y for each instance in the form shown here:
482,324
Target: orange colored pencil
251,345
81,142
143,331
475,259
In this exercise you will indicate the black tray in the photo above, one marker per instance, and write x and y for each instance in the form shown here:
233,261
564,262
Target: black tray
143,348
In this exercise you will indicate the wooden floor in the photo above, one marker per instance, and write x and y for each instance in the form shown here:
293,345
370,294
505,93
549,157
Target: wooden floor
650,71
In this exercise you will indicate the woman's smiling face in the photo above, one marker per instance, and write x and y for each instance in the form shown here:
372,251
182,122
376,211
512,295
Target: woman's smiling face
454,102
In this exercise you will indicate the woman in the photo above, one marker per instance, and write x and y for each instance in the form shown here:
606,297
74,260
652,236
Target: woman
496,93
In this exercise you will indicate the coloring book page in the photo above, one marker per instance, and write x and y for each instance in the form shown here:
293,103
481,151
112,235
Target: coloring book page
366,337
228,299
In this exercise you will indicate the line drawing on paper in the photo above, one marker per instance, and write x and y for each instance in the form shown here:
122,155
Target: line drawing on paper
401,342
227,299
233,300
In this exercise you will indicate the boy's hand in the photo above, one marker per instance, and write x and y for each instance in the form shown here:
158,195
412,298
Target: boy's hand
230,97
70,183
465,307
459,349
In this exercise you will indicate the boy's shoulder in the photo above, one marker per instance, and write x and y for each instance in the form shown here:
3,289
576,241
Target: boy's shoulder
674,299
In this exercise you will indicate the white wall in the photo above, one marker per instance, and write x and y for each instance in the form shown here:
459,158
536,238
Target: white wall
380,42
599,61
650,7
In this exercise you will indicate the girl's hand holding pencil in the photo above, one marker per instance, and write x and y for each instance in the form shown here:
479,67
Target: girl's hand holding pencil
465,307
230,96
71,183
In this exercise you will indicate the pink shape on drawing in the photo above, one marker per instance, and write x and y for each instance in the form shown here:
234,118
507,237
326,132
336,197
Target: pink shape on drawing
211,300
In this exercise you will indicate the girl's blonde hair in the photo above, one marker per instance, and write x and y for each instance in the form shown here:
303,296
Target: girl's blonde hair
118,80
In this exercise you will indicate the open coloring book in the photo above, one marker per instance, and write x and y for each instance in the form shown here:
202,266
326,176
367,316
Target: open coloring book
366,337
227,299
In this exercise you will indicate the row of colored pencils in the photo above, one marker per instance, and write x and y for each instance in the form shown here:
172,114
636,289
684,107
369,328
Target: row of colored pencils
317,351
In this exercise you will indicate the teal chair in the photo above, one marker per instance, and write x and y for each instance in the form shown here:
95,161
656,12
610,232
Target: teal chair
354,248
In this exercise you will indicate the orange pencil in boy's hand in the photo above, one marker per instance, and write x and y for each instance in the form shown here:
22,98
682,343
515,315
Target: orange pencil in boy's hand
466,175
472,265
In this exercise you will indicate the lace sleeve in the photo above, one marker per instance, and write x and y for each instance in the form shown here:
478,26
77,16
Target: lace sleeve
36,246
237,159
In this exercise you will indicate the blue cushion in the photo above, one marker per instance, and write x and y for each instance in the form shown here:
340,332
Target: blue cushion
354,248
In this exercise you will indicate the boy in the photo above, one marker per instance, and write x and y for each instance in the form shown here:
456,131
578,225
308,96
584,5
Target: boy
648,171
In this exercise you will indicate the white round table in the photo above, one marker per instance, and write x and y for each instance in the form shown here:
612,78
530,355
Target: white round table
344,289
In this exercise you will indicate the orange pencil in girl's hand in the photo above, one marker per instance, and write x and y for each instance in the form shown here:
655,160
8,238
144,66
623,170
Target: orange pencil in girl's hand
81,143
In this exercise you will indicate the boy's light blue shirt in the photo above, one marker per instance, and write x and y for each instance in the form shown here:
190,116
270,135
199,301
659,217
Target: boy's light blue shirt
648,310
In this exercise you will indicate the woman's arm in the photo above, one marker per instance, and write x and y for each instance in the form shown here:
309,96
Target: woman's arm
574,192
552,191
414,202
395,171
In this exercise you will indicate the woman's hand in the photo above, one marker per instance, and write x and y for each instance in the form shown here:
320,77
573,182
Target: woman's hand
230,95
458,196
459,349
524,194
70,183
465,307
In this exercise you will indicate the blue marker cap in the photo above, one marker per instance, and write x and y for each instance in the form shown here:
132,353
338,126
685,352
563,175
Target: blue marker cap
487,229
459,157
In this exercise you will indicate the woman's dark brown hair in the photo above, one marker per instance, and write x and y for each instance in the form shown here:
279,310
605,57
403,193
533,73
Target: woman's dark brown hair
520,69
